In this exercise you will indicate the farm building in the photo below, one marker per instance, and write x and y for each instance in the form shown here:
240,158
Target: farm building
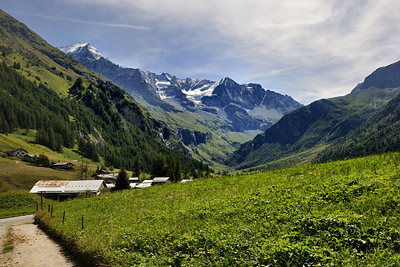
17,152
144,184
186,180
160,180
108,178
62,189
62,165
133,182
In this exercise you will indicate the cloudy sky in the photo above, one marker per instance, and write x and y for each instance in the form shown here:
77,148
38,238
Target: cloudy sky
308,49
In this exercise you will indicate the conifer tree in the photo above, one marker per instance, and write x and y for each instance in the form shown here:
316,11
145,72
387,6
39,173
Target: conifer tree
122,180
136,167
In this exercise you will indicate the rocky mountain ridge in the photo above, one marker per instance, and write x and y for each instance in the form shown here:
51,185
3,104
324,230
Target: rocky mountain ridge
243,106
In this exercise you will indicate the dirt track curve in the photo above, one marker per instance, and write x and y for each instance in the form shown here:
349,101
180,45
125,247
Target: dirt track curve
32,247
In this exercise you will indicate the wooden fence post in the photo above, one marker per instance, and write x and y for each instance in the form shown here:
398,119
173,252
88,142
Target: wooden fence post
82,222
63,217
112,231
37,206
41,200
51,211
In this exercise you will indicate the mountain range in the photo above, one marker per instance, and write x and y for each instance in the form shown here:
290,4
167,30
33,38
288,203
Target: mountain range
222,114
364,119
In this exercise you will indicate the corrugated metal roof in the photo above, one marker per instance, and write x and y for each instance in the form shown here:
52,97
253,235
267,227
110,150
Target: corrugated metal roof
160,179
108,176
143,185
62,164
80,186
51,183
133,185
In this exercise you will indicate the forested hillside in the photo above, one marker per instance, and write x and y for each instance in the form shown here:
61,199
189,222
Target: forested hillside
380,134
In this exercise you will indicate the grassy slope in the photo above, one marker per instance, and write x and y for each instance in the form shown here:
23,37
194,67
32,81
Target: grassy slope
20,203
18,175
221,139
343,213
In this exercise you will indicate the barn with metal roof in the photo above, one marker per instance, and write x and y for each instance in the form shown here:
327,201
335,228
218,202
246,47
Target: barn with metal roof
62,189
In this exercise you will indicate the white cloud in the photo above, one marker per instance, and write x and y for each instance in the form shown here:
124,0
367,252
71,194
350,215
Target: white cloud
115,25
313,48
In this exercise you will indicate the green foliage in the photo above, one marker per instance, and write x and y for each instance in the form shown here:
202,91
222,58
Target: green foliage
88,149
334,214
122,181
170,166
43,161
136,168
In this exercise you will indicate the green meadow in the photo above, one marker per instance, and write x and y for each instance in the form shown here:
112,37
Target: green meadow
342,213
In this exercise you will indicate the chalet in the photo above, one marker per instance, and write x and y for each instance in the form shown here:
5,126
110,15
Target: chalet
186,180
62,165
18,152
144,184
62,189
160,180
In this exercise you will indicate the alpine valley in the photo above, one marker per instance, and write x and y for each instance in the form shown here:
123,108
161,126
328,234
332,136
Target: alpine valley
210,118
364,122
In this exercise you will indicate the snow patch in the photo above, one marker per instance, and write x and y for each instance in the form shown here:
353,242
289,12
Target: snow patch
71,49
160,86
195,95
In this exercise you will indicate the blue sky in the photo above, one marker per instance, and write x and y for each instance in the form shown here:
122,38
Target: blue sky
308,49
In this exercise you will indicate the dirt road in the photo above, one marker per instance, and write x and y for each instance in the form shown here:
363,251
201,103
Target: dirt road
32,247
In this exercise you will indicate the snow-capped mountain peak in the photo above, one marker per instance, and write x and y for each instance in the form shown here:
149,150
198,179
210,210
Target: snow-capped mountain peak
79,48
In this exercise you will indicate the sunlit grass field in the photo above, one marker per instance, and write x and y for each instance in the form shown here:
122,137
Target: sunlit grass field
336,214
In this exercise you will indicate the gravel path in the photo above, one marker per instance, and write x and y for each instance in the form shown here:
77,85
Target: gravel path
32,247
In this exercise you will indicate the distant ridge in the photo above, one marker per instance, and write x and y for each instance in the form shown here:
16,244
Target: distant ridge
301,134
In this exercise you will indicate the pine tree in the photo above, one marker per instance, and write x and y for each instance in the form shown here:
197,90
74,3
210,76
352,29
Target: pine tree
52,140
122,181
136,167
158,166
178,175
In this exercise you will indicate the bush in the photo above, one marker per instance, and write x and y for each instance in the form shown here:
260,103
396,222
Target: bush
43,161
